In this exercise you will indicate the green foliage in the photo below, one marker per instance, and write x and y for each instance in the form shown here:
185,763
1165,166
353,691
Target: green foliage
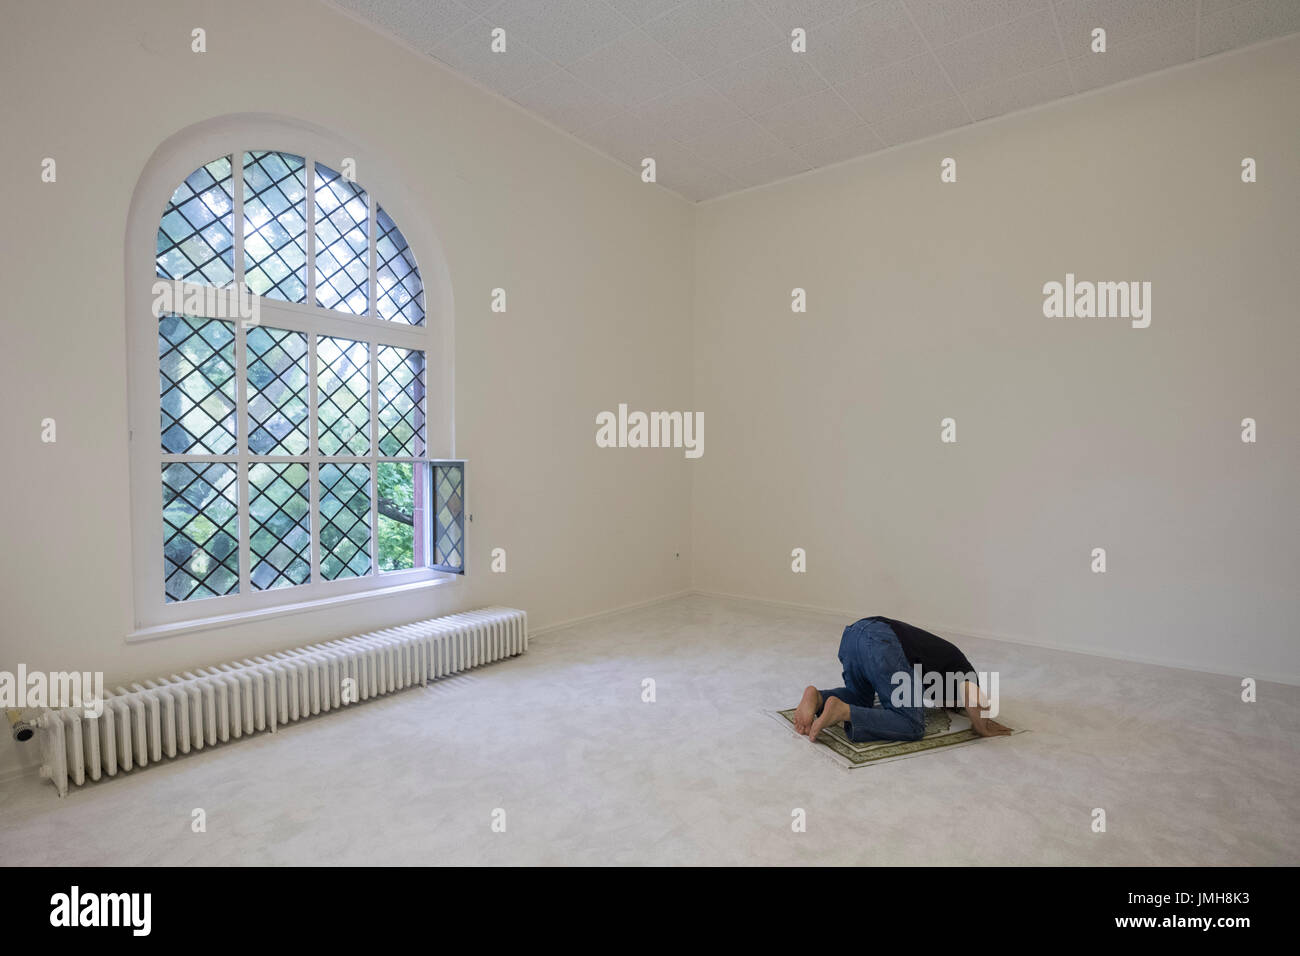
396,516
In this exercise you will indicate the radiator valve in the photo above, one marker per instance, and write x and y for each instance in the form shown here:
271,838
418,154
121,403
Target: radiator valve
22,728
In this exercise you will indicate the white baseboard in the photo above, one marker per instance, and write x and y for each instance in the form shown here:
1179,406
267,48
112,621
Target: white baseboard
958,631
561,625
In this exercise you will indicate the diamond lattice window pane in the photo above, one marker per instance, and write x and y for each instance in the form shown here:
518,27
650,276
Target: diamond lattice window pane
449,516
342,396
279,504
342,243
400,293
277,391
401,402
200,530
275,225
195,243
345,520
196,365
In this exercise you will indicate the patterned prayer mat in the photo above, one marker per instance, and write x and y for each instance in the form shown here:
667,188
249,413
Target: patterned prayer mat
942,729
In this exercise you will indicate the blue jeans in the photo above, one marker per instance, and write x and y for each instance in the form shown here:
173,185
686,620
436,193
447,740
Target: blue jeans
871,655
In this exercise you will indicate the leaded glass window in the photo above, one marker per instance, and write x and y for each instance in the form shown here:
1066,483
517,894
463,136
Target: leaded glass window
275,225
343,396
280,532
195,243
449,515
400,291
342,243
278,414
401,402
293,443
201,533
345,513
196,372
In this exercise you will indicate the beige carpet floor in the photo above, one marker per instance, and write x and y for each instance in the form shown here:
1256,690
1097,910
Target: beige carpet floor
588,773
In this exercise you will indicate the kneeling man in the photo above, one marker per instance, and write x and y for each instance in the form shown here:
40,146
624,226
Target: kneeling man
872,651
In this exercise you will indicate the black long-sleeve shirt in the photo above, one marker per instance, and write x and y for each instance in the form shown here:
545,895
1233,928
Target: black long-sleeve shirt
932,652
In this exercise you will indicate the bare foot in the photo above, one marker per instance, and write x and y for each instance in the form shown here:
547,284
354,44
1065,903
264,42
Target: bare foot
807,709
990,728
834,711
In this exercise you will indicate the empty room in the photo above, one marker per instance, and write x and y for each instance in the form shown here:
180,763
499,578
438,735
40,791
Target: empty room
678,433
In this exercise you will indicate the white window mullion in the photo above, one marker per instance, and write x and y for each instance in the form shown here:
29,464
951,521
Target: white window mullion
372,296
371,312
426,529
237,214
425,457
297,318
313,460
424,474
311,230
241,377
374,449
241,449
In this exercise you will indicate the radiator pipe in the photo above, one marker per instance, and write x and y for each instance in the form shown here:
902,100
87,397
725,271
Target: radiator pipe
22,728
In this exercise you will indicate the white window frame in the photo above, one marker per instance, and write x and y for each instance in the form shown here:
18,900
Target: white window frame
175,160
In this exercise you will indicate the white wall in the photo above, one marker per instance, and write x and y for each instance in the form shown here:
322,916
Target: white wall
596,265
822,429
925,302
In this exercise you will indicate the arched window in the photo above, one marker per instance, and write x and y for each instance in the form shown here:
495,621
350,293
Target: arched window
292,459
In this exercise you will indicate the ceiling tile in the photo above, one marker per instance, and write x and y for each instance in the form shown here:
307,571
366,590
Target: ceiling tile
1155,51
567,102
896,88
788,14
631,70
709,34
767,79
627,137
1020,46
1248,23
853,142
918,123
561,30
1123,20
639,11
468,50
865,40
711,89
734,145
421,23
770,168
1028,89
812,117
942,21
691,109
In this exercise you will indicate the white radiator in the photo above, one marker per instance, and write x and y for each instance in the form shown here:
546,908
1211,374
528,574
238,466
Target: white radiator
157,719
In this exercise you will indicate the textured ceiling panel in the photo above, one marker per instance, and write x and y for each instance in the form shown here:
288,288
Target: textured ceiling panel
713,90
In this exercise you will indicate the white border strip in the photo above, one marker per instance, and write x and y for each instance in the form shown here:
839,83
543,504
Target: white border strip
941,629
575,621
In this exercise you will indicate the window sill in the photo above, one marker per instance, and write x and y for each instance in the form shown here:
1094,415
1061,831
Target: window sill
158,632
